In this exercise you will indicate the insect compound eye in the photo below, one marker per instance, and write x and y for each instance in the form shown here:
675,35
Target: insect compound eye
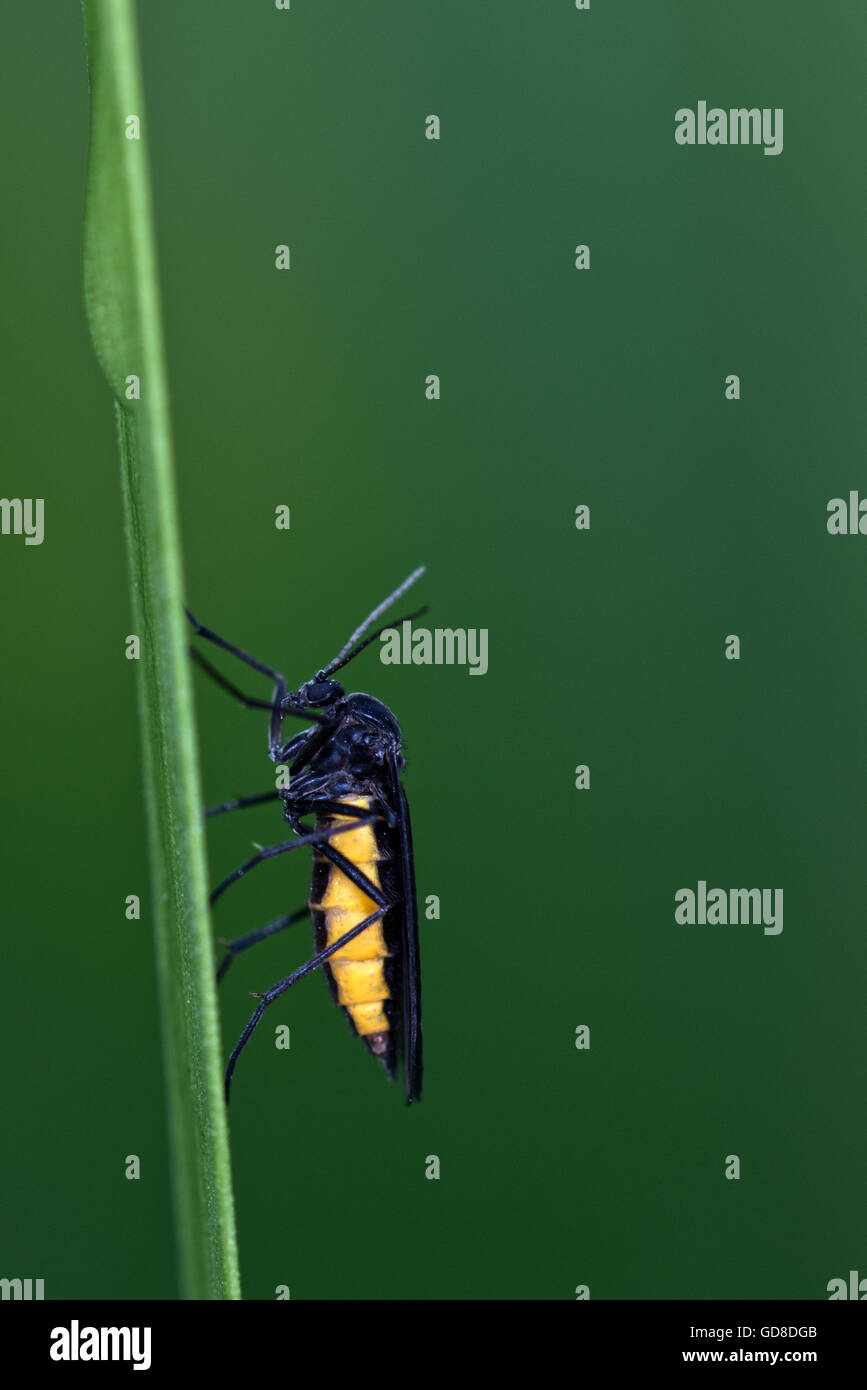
320,692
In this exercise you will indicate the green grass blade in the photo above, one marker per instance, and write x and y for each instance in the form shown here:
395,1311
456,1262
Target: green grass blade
122,298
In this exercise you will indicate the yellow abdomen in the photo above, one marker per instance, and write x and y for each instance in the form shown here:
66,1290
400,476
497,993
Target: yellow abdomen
359,967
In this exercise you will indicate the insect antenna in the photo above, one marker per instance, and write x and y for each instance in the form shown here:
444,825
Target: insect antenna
349,650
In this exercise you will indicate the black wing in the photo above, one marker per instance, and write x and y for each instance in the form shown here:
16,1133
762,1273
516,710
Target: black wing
411,1043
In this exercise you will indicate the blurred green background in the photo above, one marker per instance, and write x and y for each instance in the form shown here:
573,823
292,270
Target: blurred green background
409,257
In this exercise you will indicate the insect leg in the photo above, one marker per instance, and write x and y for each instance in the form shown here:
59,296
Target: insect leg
235,651
305,745
249,700
243,943
345,865
240,802
315,837
339,808
279,708
276,990
295,745
278,712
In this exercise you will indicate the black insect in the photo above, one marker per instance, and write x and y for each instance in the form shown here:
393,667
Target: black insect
344,771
